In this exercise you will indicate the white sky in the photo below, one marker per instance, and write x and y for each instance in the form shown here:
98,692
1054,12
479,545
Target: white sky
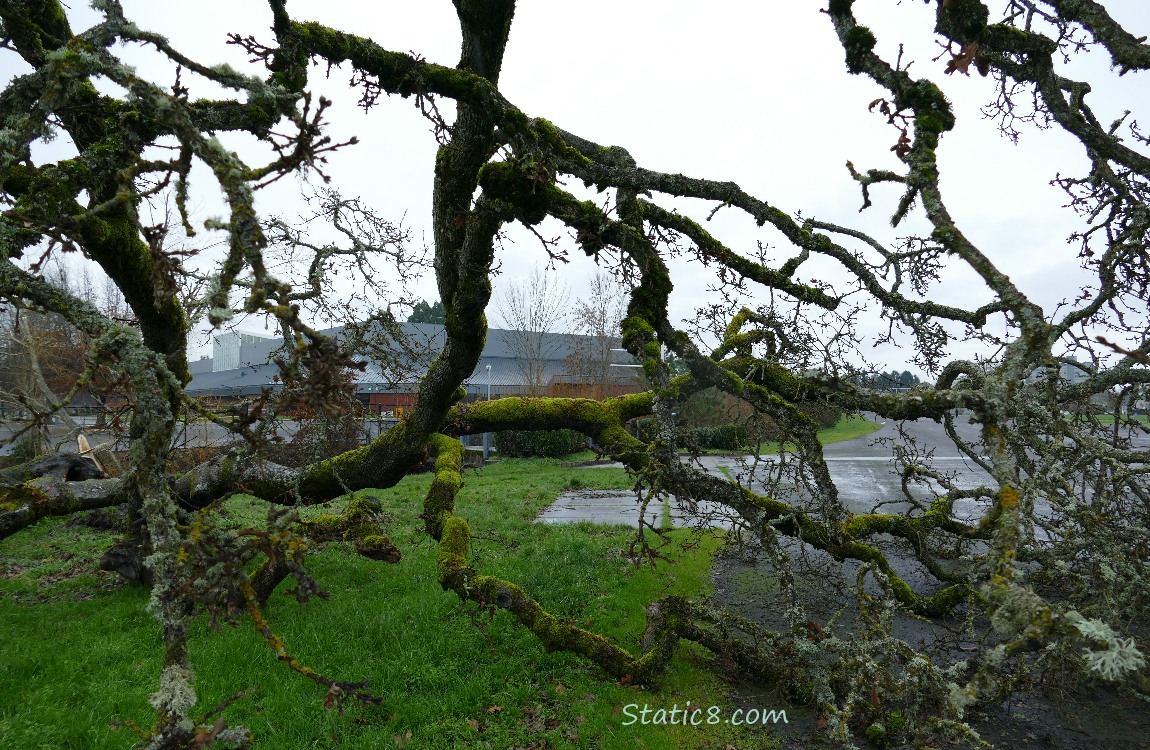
755,92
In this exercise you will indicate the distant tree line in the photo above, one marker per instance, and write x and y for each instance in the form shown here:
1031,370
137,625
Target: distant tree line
425,312
887,381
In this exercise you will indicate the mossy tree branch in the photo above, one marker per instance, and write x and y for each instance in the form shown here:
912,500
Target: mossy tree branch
495,166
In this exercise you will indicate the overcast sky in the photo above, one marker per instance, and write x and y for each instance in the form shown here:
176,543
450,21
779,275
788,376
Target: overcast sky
754,92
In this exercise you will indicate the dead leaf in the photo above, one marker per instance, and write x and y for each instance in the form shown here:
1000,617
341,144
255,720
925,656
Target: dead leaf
902,148
961,62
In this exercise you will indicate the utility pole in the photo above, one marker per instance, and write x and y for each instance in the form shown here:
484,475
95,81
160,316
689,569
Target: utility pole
487,435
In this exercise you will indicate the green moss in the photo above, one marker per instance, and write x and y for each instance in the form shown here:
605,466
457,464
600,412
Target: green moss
378,547
398,73
963,20
840,7
558,634
451,555
358,522
328,471
590,225
945,600
336,46
29,35
927,99
550,136
526,193
636,327
363,505
17,179
1001,36
858,43
930,122
440,499
868,524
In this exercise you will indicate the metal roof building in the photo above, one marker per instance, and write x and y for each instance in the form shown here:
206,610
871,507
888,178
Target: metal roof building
504,369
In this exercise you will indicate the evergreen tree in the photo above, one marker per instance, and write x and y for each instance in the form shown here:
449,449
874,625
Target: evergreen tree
427,313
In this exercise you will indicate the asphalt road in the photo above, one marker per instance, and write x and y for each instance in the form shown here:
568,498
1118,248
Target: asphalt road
863,470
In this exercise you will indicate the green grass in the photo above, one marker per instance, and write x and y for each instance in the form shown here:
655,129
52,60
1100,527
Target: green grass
848,427
1108,419
79,650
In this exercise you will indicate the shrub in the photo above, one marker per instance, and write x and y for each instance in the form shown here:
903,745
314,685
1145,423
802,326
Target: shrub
645,428
549,443
27,447
706,408
728,437
320,438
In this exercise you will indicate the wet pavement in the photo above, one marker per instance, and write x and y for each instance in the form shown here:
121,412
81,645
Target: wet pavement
863,470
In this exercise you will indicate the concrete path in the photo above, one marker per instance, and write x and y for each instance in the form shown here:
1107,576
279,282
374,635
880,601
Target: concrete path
613,507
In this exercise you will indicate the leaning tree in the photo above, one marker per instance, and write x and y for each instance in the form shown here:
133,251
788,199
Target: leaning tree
1054,559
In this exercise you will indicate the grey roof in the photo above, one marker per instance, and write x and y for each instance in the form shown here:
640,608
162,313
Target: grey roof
197,366
403,373
245,381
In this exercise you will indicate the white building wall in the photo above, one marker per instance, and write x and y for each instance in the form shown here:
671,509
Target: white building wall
225,352
233,350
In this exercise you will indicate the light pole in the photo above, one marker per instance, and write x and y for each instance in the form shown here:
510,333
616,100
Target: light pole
487,435
628,367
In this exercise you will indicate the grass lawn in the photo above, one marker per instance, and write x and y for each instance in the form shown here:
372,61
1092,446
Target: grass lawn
1108,419
79,650
848,427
